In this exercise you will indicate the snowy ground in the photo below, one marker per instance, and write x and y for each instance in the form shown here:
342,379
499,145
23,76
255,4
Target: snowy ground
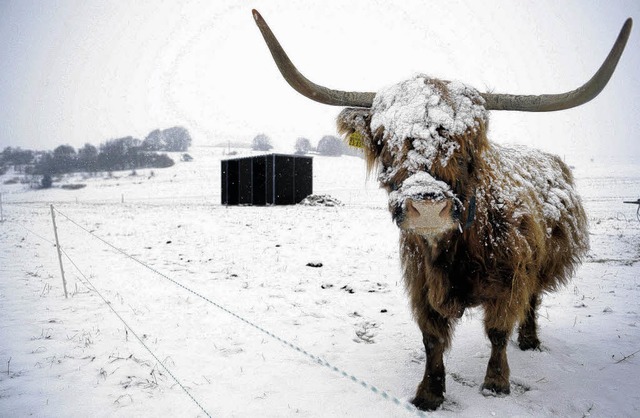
74,357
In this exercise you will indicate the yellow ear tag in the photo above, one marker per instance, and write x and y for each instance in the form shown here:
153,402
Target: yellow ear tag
355,140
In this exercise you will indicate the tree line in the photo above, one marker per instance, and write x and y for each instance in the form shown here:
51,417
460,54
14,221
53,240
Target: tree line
328,145
126,153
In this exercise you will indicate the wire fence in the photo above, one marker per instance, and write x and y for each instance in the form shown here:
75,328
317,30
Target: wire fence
140,340
368,197
314,358
122,198
86,282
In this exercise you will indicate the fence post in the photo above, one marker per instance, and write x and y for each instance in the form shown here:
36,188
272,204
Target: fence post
55,232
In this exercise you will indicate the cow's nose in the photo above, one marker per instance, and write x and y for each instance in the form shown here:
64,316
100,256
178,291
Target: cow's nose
415,209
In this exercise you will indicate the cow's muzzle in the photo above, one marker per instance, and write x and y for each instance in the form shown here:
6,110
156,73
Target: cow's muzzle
426,217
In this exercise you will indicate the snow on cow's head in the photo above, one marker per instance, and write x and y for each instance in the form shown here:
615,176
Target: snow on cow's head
422,137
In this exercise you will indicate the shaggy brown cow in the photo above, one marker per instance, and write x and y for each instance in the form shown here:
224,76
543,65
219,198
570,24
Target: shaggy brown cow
480,224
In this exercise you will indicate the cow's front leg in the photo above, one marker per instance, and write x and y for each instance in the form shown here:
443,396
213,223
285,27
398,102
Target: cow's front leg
436,335
497,378
499,319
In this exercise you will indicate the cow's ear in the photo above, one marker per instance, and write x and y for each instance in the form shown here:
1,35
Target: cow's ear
353,125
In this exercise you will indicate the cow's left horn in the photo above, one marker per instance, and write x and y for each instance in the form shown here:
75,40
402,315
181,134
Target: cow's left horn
577,97
303,85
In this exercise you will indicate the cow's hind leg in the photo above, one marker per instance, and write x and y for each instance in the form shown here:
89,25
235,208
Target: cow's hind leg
436,335
528,330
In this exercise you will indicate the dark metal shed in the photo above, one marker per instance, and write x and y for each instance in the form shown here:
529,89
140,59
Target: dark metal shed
272,179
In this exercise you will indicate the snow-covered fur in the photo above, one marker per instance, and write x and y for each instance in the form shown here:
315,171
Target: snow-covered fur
521,228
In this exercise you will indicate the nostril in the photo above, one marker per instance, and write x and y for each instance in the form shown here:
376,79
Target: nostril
411,209
446,210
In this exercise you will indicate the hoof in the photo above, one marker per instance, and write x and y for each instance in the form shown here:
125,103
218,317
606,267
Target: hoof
495,389
526,343
428,403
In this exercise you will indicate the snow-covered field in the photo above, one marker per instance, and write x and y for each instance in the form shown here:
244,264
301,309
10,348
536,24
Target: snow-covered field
75,357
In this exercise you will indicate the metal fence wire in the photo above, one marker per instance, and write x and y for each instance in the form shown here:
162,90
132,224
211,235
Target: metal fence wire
316,359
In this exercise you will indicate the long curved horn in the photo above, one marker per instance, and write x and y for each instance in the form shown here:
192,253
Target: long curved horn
581,95
523,103
300,83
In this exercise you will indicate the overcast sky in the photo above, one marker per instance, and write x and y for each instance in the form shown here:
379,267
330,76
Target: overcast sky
86,71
